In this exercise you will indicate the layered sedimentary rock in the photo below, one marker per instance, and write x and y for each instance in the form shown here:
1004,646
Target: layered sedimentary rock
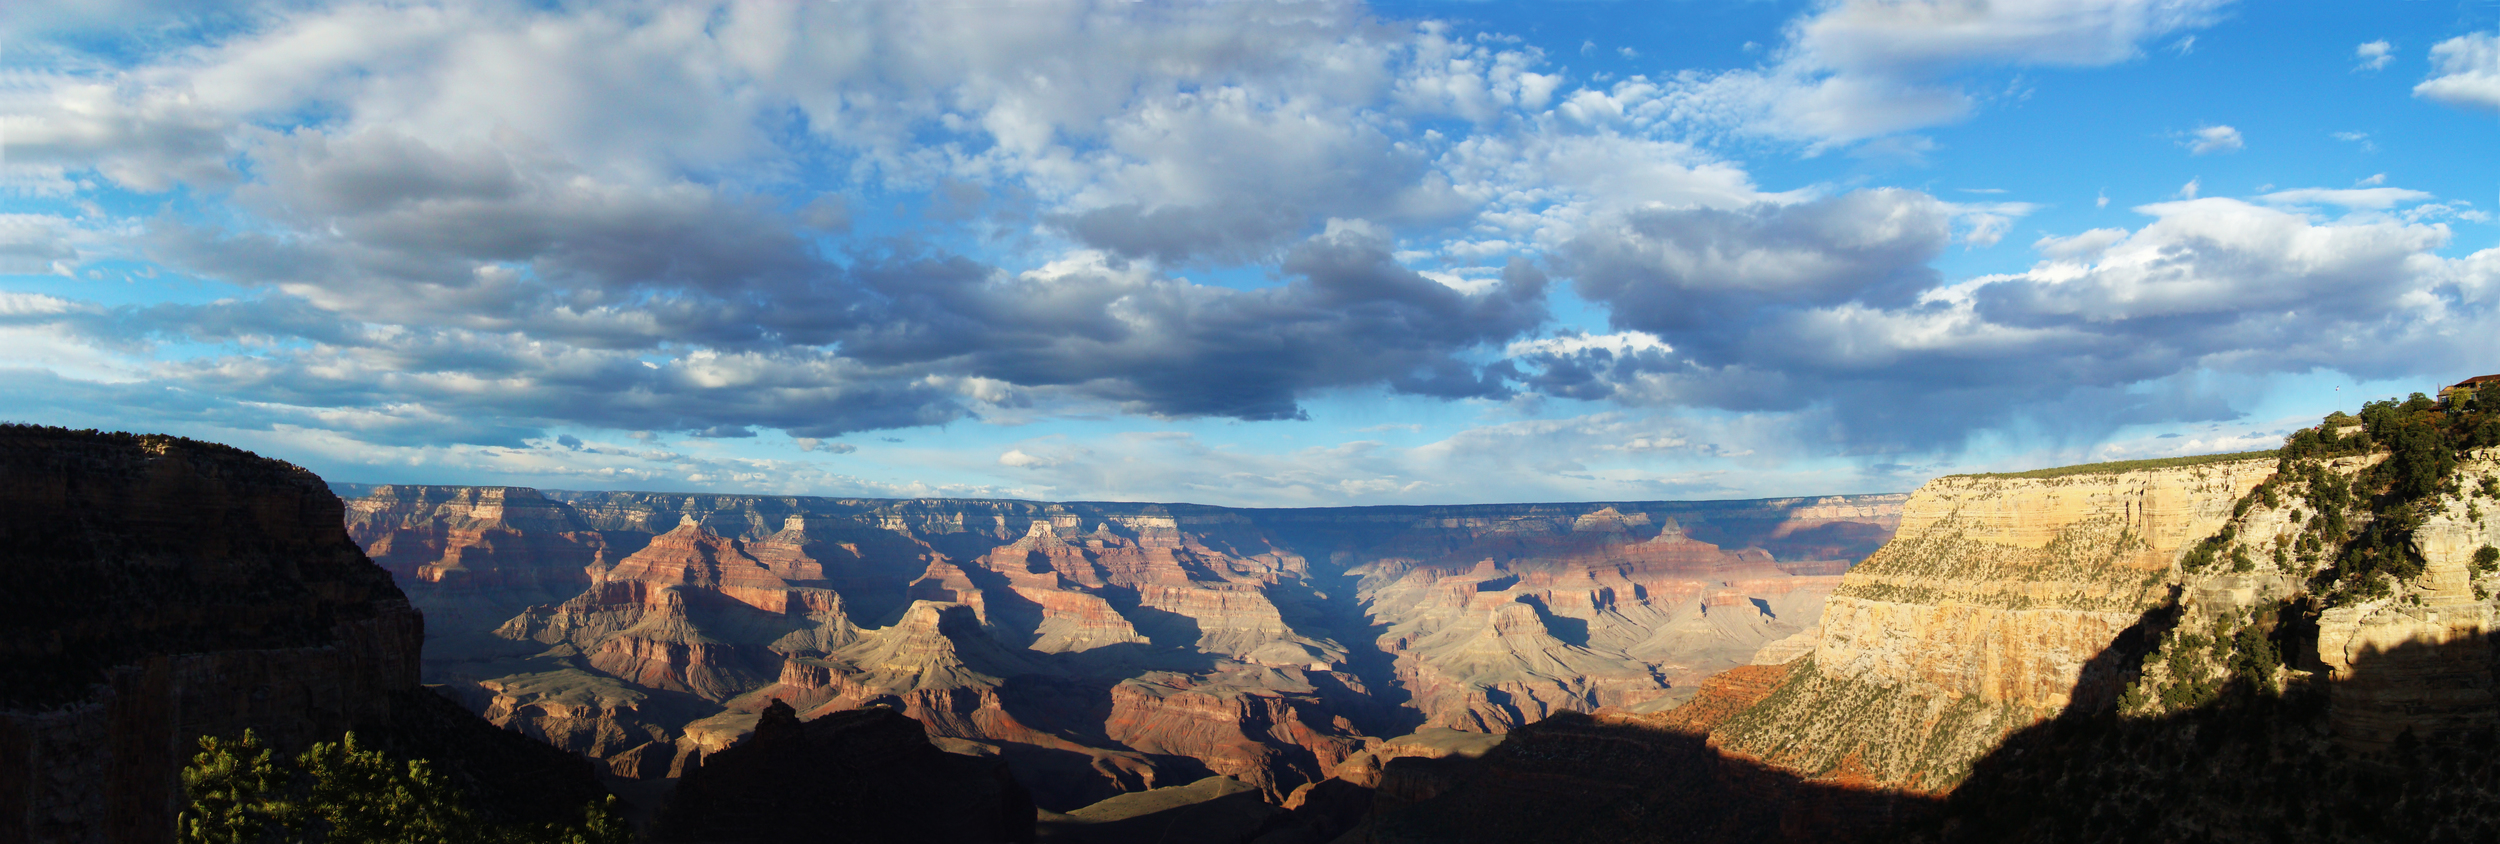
1105,648
470,557
1995,607
1270,727
1982,616
1607,609
2325,675
2427,646
160,589
691,612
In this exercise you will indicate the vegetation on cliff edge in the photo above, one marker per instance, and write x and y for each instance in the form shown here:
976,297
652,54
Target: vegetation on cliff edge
338,793
2117,466
2353,490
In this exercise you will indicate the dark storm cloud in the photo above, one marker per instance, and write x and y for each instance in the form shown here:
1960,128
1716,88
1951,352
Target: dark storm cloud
384,226
1711,277
902,337
1351,316
1177,235
1830,307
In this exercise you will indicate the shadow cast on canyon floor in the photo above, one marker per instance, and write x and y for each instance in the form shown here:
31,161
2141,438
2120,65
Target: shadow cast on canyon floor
2310,762
2249,765
1571,631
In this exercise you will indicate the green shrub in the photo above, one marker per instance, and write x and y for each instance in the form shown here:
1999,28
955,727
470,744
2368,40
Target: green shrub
2125,465
339,793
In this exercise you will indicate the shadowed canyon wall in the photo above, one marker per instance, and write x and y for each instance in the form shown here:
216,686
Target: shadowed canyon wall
160,589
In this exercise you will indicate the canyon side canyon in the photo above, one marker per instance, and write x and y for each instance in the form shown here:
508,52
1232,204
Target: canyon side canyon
1098,648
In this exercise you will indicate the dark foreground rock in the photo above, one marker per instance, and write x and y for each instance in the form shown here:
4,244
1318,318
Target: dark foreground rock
865,775
155,589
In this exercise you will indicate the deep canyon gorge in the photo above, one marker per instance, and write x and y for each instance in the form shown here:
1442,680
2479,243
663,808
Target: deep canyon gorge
1099,648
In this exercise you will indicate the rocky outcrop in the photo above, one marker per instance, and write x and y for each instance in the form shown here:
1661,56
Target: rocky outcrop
631,731
691,612
1270,728
2428,646
1214,810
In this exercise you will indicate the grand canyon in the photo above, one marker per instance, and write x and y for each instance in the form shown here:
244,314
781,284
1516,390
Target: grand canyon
1099,648
1249,422
2234,647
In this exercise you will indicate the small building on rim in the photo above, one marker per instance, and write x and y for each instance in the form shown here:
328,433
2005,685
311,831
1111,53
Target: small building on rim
2467,388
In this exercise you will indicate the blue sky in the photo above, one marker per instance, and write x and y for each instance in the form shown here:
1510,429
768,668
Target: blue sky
1253,254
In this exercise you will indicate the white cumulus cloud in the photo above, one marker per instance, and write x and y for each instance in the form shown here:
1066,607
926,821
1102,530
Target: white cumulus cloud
2466,72
2373,55
2208,139
1857,69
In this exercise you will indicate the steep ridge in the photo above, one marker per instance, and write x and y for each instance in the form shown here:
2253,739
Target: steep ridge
1112,647
161,589
2325,674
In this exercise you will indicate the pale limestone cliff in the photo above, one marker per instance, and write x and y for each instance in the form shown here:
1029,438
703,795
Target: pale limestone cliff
1981,617
2428,690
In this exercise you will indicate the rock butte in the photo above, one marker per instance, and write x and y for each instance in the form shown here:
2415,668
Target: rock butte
1098,648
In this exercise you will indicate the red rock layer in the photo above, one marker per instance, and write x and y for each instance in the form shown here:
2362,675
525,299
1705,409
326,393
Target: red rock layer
1145,642
1273,732
1721,697
470,557
1538,617
690,612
